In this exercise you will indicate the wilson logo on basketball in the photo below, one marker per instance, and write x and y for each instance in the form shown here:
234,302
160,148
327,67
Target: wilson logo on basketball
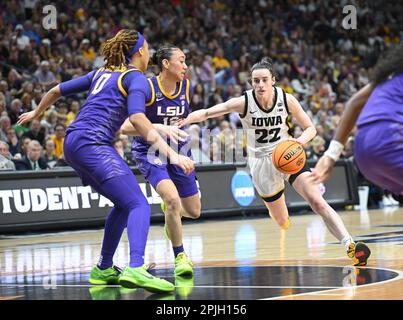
292,152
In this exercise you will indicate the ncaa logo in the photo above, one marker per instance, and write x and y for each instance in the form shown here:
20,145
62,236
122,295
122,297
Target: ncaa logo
242,188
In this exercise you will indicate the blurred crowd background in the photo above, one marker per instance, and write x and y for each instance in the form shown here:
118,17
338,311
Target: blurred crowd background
316,59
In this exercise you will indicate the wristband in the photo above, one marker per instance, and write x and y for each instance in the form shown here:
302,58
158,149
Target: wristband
334,150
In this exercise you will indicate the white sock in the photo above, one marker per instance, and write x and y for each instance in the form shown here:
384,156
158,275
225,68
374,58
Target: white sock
346,241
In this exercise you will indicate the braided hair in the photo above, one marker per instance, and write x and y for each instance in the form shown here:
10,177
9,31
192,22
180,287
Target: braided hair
116,49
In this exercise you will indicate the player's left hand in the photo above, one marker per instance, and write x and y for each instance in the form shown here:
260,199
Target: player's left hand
27,117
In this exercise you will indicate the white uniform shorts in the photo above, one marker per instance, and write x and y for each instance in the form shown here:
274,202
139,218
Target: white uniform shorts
268,181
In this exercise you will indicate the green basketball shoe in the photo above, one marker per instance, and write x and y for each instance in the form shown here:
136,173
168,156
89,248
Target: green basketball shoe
183,265
104,277
139,277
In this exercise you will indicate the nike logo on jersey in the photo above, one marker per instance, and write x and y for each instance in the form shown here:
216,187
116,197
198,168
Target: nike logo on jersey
252,112
159,99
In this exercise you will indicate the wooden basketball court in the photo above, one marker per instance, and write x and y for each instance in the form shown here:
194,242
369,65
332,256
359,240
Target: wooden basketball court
244,258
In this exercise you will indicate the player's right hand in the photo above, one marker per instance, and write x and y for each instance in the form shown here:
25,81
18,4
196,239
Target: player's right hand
27,117
185,163
323,170
174,133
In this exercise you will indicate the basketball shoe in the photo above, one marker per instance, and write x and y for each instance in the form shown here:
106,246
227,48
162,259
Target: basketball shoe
286,225
104,277
359,252
139,277
183,265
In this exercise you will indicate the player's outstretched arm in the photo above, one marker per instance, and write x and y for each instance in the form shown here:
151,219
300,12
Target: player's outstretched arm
73,86
324,167
232,105
172,132
50,98
302,119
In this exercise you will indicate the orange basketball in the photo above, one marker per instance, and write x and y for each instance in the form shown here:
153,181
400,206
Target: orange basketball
289,157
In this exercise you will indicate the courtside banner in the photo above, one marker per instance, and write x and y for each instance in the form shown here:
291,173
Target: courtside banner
57,199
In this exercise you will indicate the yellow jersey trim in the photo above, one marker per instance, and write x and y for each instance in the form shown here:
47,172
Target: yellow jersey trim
188,91
166,94
96,73
152,94
121,78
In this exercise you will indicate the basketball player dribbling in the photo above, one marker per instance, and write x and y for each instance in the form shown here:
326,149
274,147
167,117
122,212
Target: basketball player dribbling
268,102
378,147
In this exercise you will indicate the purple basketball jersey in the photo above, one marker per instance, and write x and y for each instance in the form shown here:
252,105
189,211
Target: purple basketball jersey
164,108
105,109
385,103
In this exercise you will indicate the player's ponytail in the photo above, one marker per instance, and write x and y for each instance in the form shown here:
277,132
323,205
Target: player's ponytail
117,49
391,63
163,52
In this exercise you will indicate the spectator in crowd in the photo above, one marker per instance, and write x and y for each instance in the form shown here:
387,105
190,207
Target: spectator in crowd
49,121
13,141
36,132
72,115
24,142
317,148
58,139
15,110
6,92
5,124
87,51
45,77
219,61
32,160
20,39
49,153
5,158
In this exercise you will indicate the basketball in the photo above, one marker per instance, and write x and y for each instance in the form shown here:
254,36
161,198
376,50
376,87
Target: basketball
289,157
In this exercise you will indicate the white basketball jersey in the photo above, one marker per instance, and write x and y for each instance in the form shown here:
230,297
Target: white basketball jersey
264,129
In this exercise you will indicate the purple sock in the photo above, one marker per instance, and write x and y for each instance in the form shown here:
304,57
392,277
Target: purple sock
178,250
114,227
139,219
